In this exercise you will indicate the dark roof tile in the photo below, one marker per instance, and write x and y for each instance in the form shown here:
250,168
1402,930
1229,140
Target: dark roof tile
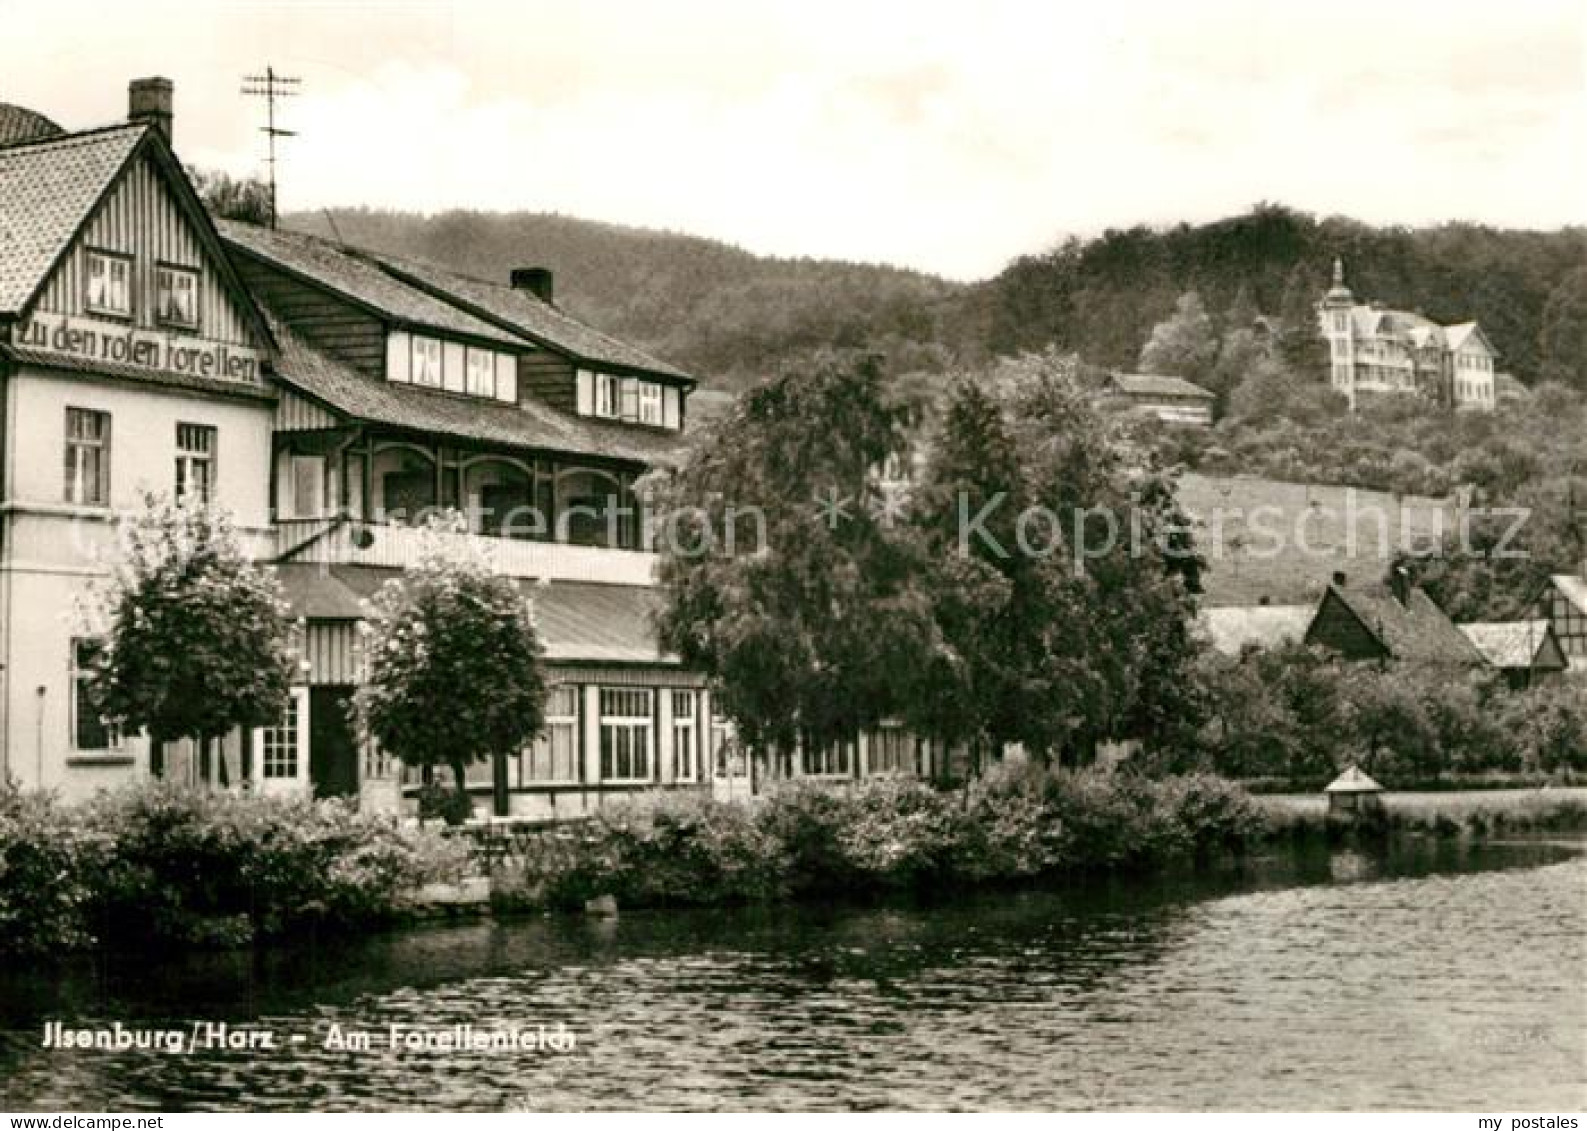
47,190
531,424
527,314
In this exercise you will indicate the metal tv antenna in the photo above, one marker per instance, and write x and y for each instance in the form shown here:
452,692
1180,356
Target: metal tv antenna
271,86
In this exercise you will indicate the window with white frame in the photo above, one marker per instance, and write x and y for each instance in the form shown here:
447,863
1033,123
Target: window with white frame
833,760
725,758
608,396
109,283
891,750
87,457
195,462
650,403
685,736
627,725
554,756
425,367
480,375
281,746
176,296
89,730
308,487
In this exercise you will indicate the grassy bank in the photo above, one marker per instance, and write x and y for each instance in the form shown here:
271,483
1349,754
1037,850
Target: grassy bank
1474,813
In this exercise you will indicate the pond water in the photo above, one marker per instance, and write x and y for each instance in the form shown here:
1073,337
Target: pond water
1444,976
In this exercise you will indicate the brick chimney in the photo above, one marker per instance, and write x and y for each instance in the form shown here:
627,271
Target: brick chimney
538,281
149,100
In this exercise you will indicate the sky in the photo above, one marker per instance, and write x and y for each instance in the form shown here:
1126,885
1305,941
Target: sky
945,137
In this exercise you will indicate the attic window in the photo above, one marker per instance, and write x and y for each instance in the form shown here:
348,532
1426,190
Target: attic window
176,296
110,283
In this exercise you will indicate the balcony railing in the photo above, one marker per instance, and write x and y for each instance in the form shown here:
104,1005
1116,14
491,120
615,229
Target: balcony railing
353,542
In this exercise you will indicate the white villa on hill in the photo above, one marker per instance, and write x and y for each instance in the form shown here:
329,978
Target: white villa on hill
1375,350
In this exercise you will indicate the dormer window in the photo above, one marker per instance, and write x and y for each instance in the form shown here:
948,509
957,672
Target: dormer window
110,284
418,359
634,400
480,373
608,396
427,362
176,296
650,403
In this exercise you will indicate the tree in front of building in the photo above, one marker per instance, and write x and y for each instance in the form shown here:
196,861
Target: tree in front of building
454,663
1063,574
195,638
791,577
1185,344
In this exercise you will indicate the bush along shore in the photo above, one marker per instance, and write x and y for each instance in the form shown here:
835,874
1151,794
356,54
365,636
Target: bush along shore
1017,825
156,865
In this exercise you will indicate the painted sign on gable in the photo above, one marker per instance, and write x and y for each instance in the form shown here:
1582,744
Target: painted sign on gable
157,351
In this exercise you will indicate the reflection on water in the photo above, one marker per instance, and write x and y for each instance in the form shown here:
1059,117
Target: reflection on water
1443,977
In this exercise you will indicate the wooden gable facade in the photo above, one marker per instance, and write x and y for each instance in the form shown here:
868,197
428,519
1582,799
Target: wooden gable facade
1337,626
142,220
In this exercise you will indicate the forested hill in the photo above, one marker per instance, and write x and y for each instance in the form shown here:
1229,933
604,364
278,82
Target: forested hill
714,309
1102,297
732,316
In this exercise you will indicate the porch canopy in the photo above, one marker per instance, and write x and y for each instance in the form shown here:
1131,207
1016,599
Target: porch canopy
578,621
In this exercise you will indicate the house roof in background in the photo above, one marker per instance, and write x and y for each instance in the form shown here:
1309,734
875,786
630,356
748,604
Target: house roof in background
1573,588
1157,385
1516,644
526,314
1233,628
529,424
579,621
355,277
48,189
1416,629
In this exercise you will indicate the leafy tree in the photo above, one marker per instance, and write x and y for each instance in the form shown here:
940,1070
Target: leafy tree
455,673
1562,339
789,577
1063,631
1183,345
233,198
196,638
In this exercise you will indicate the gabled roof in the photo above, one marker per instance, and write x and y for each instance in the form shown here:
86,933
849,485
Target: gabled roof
579,621
1516,644
48,190
1464,333
1572,588
1353,780
1414,630
532,424
357,279
1232,629
526,314
51,188
1158,385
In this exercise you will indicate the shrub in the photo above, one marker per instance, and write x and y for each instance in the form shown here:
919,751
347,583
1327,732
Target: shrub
454,806
682,850
46,869
179,863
